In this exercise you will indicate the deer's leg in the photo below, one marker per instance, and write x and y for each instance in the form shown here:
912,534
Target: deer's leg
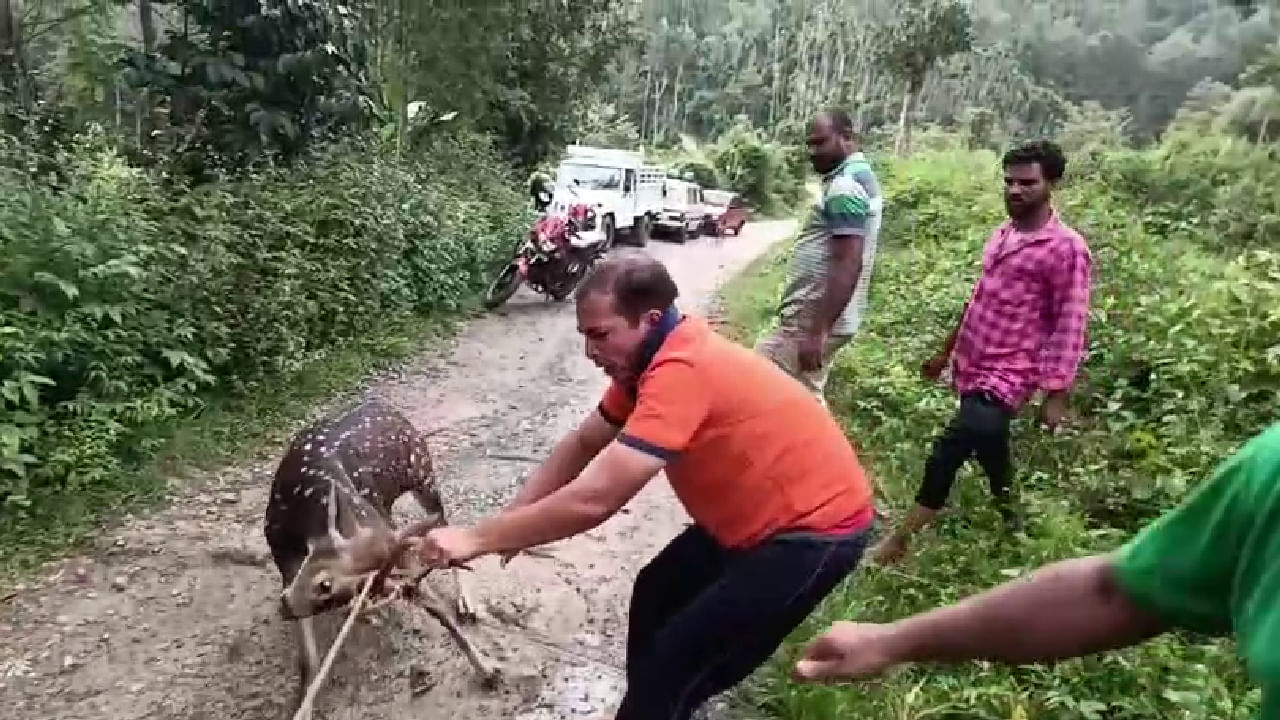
308,657
428,497
488,670
465,604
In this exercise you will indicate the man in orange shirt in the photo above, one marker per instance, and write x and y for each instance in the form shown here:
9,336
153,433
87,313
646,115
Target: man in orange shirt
781,509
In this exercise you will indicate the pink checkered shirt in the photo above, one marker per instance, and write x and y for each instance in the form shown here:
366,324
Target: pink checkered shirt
1024,326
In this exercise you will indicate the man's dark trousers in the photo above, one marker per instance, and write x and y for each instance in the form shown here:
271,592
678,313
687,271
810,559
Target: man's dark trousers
703,618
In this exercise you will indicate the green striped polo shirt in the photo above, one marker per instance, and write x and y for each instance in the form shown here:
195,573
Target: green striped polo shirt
850,201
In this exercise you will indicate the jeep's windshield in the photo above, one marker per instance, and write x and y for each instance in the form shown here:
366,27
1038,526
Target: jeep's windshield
719,198
593,177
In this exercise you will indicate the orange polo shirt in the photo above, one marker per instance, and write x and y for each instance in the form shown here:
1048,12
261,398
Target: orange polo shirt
750,452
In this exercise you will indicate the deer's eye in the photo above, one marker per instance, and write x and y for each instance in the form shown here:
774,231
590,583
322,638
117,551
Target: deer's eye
324,587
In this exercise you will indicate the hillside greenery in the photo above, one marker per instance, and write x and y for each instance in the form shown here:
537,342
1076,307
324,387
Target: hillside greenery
214,214
1183,365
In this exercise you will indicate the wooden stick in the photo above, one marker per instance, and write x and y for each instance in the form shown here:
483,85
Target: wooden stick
304,709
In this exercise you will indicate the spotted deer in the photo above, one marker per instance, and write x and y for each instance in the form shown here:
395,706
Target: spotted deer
329,527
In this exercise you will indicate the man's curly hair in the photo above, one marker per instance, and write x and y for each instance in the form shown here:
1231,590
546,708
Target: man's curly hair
1045,153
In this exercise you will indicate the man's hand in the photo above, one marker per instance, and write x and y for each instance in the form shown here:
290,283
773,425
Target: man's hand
809,350
934,366
449,546
1053,409
847,651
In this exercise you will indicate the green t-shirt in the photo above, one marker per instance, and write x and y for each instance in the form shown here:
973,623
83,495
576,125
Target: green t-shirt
1212,564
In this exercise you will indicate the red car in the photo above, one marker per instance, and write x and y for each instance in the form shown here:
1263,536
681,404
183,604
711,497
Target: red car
725,211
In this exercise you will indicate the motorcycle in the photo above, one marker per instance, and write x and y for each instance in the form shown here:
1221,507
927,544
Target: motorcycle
553,258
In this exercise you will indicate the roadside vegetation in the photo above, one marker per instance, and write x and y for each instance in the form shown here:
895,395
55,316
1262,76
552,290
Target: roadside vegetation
1183,366
213,216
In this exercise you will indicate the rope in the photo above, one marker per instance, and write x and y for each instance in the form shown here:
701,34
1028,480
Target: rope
304,709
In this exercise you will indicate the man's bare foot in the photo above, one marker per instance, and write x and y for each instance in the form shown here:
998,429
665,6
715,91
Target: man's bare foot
889,550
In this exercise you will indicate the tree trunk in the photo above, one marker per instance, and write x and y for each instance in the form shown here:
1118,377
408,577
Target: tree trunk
776,86
644,102
674,121
402,37
903,144
10,39
146,117
147,22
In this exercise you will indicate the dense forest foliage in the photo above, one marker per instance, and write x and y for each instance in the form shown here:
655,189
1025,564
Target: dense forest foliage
198,200
1017,65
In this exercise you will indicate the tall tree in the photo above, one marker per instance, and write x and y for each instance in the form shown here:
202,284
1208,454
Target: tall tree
924,33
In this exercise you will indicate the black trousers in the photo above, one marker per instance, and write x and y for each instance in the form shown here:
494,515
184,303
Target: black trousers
703,618
979,429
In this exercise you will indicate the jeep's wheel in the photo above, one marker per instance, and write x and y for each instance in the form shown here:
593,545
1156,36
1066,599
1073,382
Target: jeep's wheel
640,231
609,231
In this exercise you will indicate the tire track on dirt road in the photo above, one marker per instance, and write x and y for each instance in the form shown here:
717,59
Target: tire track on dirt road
154,622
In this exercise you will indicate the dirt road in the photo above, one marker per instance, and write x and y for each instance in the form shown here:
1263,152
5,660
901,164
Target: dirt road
173,615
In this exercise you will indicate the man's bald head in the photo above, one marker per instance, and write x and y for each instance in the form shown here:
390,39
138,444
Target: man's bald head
839,122
831,140
618,306
635,281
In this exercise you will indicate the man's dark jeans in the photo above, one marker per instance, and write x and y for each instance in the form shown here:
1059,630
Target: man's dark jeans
704,618
979,429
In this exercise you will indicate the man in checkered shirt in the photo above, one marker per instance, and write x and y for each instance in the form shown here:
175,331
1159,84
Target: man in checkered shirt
1022,330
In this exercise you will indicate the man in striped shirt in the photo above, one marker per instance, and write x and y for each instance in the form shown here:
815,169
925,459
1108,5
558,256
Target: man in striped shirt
825,292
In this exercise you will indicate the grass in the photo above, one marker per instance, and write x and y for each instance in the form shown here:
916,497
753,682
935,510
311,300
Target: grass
892,416
228,430
747,300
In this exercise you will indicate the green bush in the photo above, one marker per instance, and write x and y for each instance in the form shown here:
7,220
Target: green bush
1183,366
127,300
768,175
1216,188
697,170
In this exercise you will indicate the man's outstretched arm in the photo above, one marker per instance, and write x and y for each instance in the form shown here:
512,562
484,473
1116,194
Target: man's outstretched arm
1176,572
567,459
607,483
1067,609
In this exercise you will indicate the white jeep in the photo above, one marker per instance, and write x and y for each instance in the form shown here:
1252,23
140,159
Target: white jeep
625,191
683,210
